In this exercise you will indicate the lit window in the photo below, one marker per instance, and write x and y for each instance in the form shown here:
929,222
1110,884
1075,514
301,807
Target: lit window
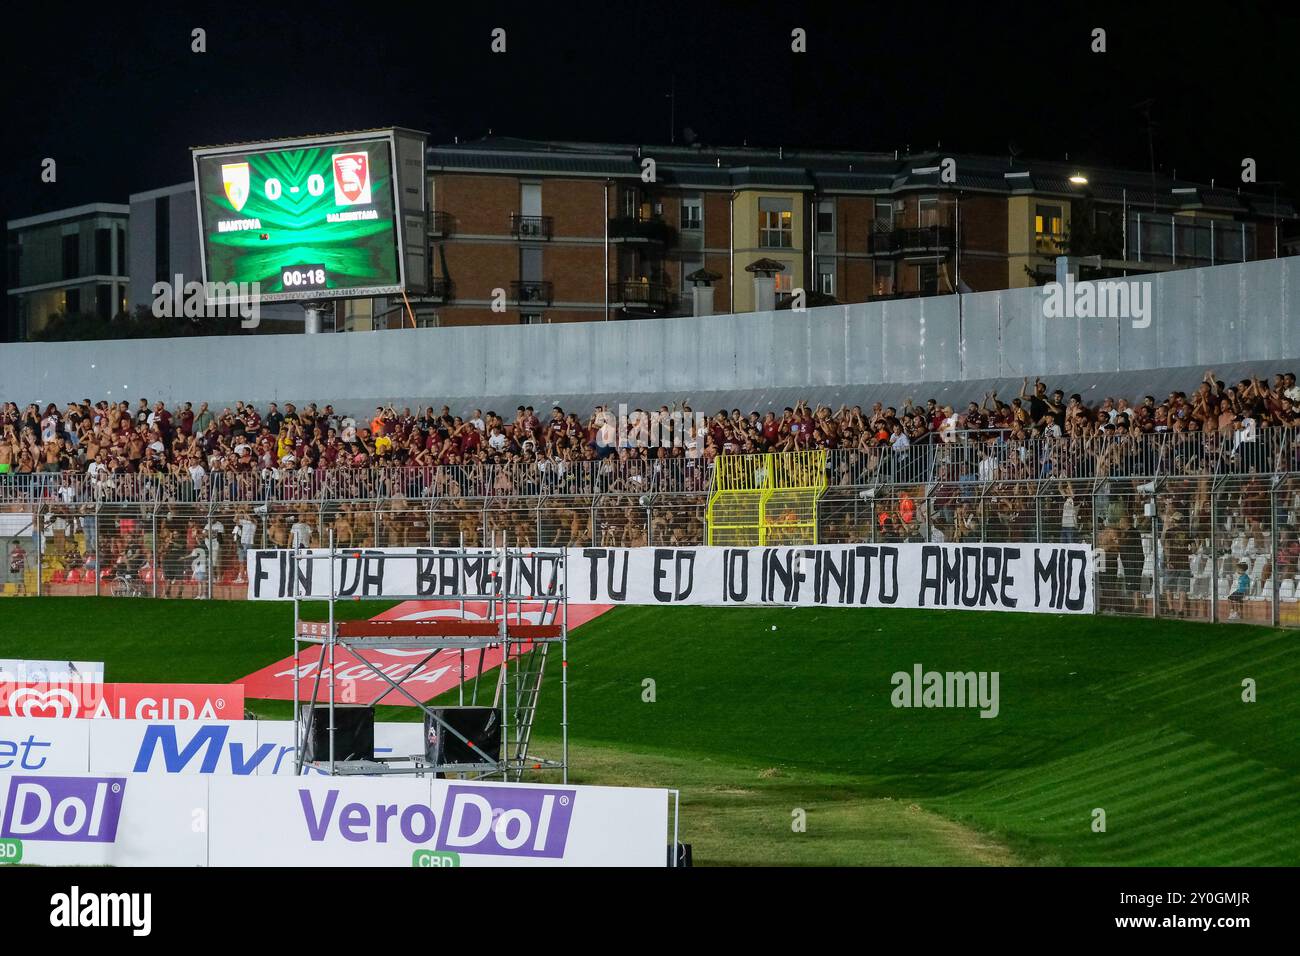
776,224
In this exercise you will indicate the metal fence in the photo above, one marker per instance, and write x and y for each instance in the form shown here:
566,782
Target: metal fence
1214,544
984,455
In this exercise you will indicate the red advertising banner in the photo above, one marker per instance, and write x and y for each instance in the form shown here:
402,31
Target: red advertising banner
122,701
357,683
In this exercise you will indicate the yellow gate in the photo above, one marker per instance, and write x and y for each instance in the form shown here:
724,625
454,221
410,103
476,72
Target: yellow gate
766,499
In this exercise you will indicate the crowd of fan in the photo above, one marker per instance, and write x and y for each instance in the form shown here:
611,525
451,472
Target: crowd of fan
109,438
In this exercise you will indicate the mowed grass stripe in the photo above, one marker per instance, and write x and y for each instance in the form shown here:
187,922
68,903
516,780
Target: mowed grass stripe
1214,657
1106,762
1279,664
1229,797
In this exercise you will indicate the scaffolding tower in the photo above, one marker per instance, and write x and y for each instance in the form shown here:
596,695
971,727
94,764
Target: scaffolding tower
525,645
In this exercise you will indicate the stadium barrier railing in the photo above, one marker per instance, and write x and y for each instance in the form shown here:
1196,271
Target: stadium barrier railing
984,455
1173,537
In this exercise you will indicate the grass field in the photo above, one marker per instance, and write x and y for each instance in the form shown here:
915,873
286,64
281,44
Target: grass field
1142,719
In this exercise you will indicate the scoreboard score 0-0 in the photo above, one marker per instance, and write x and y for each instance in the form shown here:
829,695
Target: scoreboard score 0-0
321,217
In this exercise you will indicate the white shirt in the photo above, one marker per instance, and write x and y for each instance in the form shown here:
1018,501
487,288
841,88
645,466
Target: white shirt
988,469
244,531
300,535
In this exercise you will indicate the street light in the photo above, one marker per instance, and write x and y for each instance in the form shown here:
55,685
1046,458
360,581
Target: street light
1079,179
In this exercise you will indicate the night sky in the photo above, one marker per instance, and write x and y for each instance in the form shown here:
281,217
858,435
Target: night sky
117,97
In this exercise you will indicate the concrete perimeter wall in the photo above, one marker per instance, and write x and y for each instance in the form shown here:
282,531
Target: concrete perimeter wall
1238,316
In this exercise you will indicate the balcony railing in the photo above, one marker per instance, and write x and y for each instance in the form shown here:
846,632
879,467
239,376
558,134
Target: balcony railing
922,240
527,292
641,228
639,293
530,227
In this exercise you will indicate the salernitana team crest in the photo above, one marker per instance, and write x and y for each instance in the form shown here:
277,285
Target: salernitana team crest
351,179
234,176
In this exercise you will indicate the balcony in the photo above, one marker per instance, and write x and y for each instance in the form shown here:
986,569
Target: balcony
925,241
526,292
530,227
640,294
1049,243
641,229
441,224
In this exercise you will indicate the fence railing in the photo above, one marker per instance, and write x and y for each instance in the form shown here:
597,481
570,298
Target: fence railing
1209,547
984,456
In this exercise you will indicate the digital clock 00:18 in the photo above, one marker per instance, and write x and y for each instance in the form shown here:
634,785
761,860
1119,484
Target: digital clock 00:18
303,277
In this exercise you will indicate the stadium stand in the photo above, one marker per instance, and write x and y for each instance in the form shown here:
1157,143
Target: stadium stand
1175,492
108,441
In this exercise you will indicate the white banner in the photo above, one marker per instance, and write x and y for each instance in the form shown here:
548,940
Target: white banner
103,820
34,745
407,822
1002,577
39,745
134,820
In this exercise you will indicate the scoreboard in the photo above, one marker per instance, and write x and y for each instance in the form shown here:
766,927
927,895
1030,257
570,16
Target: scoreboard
321,217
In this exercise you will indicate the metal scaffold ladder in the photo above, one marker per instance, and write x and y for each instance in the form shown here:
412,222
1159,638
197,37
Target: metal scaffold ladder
529,668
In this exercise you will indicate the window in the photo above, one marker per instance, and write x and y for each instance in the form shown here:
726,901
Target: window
121,252
884,278
927,279
1049,228
104,251
631,203
775,224
927,212
104,301
884,221
426,320
72,302
826,281
531,318
530,199
162,265
71,256
825,217
530,264
783,282
692,214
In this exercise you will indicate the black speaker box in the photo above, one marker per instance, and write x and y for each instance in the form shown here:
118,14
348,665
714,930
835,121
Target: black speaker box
482,725
354,732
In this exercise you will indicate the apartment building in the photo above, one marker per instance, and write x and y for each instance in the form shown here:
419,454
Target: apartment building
525,231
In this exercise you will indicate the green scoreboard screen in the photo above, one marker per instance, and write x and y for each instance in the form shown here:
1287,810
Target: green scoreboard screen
305,219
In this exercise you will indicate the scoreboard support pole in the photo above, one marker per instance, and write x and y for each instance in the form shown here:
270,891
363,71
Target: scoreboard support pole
311,317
